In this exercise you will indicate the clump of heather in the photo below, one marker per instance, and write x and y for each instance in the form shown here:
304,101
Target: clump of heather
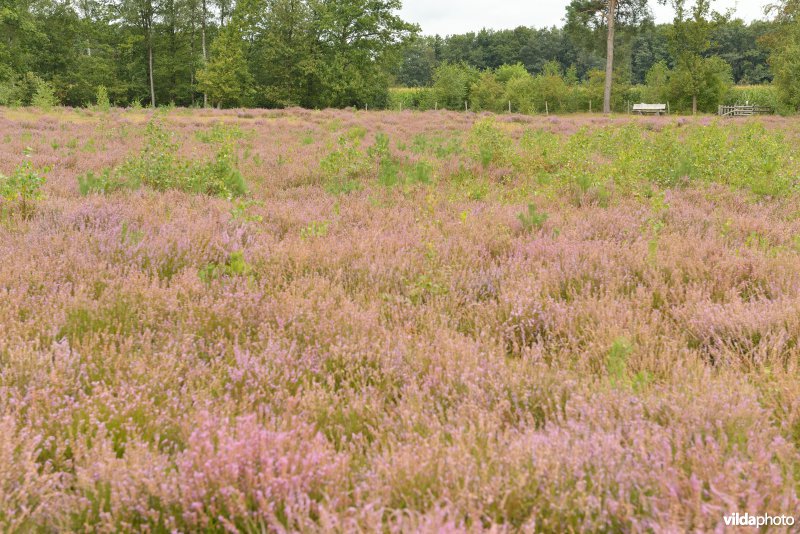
404,322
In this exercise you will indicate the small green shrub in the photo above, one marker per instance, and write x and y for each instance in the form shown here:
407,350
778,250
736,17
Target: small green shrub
344,165
241,211
44,96
157,166
490,145
618,367
314,229
388,167
423,288
420,172
617,361
102,183
219,177
220,133
532,220
103,103
235,265
389,172
117,318
20,191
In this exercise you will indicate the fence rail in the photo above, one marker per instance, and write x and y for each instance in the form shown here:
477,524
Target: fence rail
744,111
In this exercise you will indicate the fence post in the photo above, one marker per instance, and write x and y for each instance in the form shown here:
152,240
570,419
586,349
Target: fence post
509,106
668,110
466,105
546,108
590,105
436,106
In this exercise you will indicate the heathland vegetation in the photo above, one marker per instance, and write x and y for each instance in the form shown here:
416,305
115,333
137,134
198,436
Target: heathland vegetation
340,320
251,321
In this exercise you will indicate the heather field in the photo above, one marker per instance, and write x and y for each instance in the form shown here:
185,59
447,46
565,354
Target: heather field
340,321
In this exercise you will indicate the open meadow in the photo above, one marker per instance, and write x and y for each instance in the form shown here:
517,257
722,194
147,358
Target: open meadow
342,321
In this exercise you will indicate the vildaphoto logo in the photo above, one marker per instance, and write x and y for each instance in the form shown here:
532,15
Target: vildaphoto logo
747,520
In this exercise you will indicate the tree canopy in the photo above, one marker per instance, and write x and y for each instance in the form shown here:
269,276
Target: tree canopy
321,53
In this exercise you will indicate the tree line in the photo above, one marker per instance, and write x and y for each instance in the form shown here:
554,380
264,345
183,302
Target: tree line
610,44
337,53
270,53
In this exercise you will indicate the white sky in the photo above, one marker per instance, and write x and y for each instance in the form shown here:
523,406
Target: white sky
447,17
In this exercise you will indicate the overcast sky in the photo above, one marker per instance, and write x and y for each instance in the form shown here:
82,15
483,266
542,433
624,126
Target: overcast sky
447,17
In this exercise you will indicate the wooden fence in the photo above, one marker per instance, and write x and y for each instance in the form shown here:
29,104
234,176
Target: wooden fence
744,111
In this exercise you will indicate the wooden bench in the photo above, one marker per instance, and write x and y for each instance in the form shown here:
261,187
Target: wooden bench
649,109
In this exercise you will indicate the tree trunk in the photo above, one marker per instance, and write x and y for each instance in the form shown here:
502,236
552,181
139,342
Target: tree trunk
203,41
694,104
612,9
150,69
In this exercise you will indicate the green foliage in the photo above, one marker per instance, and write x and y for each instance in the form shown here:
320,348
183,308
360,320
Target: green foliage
490,145
21,91
700,83
103,183
617,361
44,96
234,265
388,166
424,288
313,54
219,177
657,84
9,93
421,98
760,95
420,172
784,57
324,54
226,77
20,191
697,82
553,90
118,317
157,166
508,72
220,133
102,101
344,166
618,367
314,229
488,94
241,211
532,219
452,84
522,92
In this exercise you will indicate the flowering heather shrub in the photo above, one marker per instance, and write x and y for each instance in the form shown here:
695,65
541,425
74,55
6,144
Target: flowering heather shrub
431,356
